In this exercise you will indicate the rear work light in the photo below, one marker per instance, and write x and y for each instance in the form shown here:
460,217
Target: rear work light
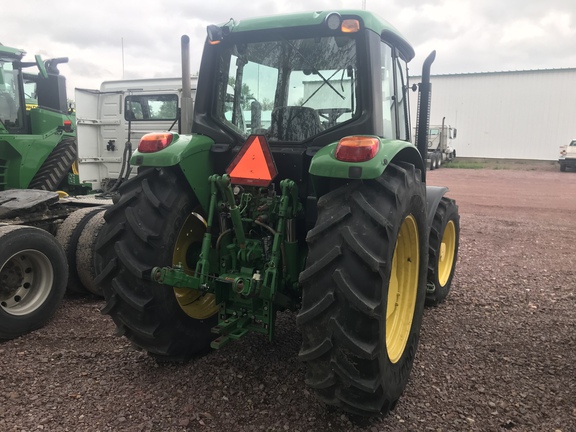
154,142
350,26
357,148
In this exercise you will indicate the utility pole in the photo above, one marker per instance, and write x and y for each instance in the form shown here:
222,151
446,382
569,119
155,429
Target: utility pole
122,43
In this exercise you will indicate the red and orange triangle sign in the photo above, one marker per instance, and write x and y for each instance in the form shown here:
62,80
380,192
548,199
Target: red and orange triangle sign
253,165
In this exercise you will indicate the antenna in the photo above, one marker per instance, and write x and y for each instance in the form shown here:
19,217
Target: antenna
122,44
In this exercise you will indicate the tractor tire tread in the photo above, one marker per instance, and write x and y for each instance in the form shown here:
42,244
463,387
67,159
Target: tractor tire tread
56,166
138,234
67,235
340,310
447,210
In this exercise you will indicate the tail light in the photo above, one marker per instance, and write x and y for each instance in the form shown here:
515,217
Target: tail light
67,126
153,142
350,26
357,148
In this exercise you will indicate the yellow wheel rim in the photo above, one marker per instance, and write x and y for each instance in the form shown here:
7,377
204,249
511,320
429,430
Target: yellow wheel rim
186,251
403,289
447,250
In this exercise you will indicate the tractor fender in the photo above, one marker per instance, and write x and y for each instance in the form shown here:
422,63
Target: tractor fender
433,196
325,164
192,154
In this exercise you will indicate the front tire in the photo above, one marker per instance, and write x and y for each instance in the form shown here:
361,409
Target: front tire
443,251
363,291
143,230
33,276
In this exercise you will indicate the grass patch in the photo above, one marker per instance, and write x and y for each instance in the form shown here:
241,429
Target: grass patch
465,165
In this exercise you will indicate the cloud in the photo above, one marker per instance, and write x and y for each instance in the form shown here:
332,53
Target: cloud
108,39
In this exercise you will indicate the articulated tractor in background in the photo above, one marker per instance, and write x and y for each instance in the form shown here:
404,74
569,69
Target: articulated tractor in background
54,166
38,169
296,189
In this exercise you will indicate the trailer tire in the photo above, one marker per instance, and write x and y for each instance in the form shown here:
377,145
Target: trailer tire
368,247
67,235
435,160
443,251
33,273
141,231
85,263
56,166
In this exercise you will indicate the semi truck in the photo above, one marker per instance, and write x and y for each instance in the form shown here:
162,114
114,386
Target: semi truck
567,157
440,149
119,113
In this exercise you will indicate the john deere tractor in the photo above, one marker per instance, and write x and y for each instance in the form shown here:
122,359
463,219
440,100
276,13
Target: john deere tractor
37,138
297,189
37,158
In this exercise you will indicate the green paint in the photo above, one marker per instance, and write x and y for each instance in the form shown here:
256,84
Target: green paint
192,154
325,164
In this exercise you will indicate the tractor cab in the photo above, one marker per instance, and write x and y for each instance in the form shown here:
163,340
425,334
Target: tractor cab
305,85
21,92
12,103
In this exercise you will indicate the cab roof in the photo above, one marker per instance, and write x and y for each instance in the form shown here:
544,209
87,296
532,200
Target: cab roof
11,54
368,20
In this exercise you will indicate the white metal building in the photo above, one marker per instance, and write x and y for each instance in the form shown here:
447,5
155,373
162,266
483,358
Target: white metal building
509,115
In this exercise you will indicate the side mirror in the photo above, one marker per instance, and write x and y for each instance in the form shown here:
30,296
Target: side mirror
41,66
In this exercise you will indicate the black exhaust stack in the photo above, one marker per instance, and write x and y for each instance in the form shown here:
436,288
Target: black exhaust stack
51,91
423,113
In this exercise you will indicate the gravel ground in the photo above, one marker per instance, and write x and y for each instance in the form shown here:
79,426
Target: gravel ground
499,354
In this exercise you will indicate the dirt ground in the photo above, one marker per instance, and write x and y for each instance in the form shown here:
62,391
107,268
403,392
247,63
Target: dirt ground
499,354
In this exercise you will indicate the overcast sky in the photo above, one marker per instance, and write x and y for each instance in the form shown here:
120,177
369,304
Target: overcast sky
468,35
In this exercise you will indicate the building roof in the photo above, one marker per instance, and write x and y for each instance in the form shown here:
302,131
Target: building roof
523,71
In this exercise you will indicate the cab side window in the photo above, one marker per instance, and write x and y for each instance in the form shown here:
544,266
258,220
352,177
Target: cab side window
388,98
401,75
394,98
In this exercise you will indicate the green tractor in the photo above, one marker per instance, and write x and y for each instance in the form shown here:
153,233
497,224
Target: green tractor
37,166
298,189
37,138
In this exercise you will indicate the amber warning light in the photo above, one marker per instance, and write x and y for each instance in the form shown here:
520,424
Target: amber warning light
253,165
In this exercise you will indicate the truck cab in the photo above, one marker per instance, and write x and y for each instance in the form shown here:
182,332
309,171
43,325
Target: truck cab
567,157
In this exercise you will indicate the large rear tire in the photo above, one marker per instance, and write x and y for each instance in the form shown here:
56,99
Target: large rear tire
33,273
56,166
363,291
443,250
143,230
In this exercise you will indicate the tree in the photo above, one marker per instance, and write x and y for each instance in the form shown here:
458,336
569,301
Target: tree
246,95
